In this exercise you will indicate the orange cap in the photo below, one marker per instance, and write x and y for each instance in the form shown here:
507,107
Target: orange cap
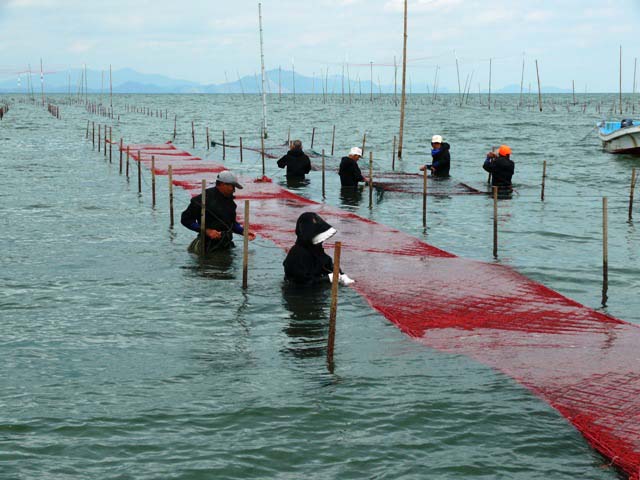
504,150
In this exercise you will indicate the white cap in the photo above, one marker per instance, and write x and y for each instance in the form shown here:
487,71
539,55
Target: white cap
356,151
227,177
436,139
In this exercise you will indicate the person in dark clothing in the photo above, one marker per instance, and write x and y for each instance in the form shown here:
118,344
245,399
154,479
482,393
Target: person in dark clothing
441,159
220,215
349,172
307,263
295,161
501,168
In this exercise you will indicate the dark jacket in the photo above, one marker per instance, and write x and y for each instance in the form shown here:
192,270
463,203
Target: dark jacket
350,173
220,215
501,170
306,263
441,161
296,162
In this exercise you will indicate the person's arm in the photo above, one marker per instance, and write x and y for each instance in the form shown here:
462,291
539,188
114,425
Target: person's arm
488,164
282,163
239,229
307,165
358,173
190,218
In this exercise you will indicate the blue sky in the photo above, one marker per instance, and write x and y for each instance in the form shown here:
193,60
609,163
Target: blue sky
200,41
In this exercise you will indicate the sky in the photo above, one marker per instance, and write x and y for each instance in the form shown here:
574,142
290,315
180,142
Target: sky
211,41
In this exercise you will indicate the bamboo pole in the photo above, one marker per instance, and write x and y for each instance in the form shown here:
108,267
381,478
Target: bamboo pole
193,135
245,247
544,176
153,181
334,307
175,125
490,61
323,176
633,186
110,143
495,222
203,226
208,142
364,142
620,79
605,253
539,88
93,135
127,170
224,147
424,198
241,149
99,138
370,180
171,219
105,141
120,171
262,152
86,136
404,78
333,138
313,135
139,172
393,154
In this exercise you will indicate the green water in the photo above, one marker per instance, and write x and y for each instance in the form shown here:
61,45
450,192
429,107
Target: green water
123,357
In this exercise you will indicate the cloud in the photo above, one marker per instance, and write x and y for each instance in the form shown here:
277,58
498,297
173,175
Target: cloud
81,46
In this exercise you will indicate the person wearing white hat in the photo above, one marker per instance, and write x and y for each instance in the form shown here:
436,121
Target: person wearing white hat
440,158
349,172
220,215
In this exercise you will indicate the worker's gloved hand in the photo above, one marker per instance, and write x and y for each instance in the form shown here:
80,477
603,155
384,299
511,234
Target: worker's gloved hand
345,280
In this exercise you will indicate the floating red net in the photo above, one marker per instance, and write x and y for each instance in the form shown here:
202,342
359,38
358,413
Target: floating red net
582,362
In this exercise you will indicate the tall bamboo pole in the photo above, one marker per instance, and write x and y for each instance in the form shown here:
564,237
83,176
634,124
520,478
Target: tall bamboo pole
333,138
495,222
264,97
404,80
620,79
544,176
171,219
539,88
245,247
633,186
334,307
605,253
153,181
370,179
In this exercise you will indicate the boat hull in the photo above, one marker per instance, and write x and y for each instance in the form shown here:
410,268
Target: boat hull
625,140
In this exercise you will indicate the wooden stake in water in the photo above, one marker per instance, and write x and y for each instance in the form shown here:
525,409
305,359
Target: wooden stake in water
393,154
605,253
404,79
495,222
323,179
139,172
110,143
370,179
224,147
175,125
208,142
120,171
240,149
364,141
333,139
87,133
313,136
153,181
424,198
262,152
334,307
245,247
193,135
99,138
203,227
105,141
539,88
633,186
544,176
171,219
93,134
127,170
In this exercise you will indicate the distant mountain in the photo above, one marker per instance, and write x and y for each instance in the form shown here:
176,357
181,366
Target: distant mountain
127,80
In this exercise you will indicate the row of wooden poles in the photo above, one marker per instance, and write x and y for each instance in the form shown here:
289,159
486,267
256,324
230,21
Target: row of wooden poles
102,110
54,110
150,112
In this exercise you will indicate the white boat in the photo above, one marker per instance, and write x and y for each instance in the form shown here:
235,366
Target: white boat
620,137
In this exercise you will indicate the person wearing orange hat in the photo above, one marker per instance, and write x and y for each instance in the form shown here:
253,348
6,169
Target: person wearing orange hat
501,168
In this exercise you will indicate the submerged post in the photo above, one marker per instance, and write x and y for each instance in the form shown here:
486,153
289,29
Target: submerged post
110,143
127,170
245,247
495,222
544,176
105,141
393,154
120,155
240,149
99,138
262,151
153,181
175,122
193,135
370,180
424,198
86,135
334,307
203,227
313,136
605,253
633,186
333,139
364,141
171,219
323,179
93,134
139,172
224,147
208,142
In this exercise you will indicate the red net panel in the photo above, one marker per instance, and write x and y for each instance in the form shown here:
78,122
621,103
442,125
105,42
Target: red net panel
582,362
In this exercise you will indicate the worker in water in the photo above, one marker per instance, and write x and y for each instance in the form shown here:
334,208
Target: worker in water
295,161
349,172
220,216
501,168
440,158
307,263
